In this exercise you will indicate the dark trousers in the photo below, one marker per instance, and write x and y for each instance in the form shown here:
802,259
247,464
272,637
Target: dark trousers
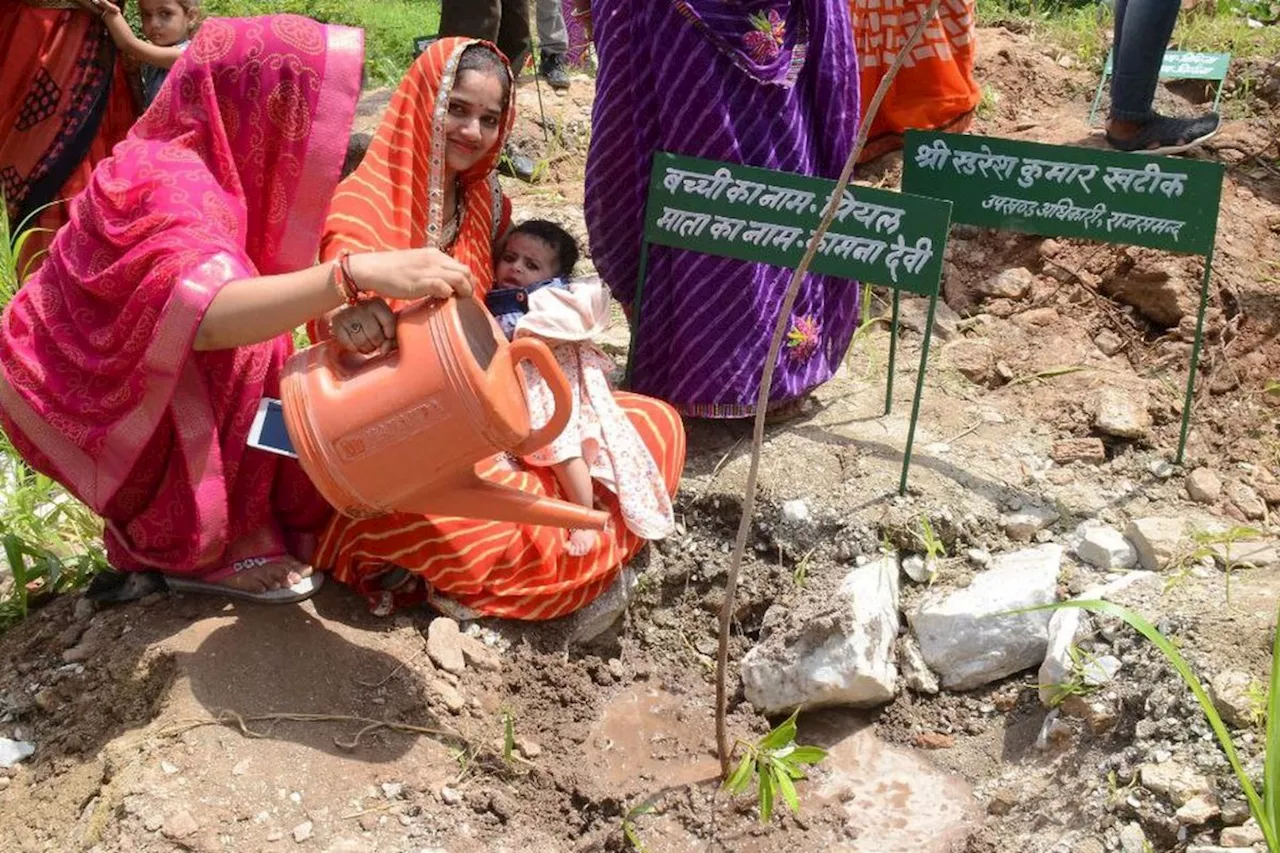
1143,29
503,22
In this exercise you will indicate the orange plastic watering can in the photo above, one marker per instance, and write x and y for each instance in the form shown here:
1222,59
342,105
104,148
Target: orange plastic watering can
404,432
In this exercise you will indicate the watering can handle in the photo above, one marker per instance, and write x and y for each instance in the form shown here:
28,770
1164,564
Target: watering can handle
539,355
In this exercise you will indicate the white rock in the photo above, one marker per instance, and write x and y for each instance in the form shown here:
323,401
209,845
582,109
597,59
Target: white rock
1101,671
1023,525
1106,548
1242,836
964,640
1156,539
978,557
1109,342
1203,486
844,660
1133,839
1162,469
1247,500
392,790
919,569
795,512
1122,413
302,831
1064,627
1010,284
1232,692
14,751
915,672
1197,811
1180,784
450,796
596,618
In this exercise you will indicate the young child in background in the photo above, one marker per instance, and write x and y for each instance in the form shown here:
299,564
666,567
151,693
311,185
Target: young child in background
168,26
532,296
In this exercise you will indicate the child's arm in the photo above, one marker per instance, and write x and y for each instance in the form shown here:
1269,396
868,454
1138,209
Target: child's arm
122,35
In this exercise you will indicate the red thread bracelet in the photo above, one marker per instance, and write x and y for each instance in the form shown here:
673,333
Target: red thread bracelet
346,282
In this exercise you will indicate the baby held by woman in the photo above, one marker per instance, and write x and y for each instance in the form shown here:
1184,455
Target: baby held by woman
533,295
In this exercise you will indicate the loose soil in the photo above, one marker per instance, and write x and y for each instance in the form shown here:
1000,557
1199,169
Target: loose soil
180,723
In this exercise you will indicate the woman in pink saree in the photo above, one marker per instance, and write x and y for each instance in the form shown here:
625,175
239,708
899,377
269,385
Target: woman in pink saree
133,362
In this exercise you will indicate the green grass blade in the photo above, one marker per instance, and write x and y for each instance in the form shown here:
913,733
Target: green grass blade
1271,775
1146,629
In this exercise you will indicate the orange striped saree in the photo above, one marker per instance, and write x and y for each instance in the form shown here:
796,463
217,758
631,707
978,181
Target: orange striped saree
392,201
935,89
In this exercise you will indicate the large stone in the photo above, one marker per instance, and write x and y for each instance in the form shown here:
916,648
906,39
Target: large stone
1203,486
1175,781
1233,695
1023,525
843,657
1069,450
1198,811
973,358
970,638
1247,500
1105,548
1010,284
1122,413
1157,540
597,617
1133,839
444,644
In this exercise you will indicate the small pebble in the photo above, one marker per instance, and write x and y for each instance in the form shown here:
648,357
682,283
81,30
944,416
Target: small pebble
450,796
302,831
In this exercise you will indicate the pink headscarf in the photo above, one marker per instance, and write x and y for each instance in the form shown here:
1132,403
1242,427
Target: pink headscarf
228,175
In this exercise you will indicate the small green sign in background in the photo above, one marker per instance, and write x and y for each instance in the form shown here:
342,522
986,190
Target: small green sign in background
1176,65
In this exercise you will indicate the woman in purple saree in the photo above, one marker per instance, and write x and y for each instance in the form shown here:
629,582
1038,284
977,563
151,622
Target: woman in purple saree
758,82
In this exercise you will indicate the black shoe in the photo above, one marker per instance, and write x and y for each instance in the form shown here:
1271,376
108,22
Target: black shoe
515,165
552,70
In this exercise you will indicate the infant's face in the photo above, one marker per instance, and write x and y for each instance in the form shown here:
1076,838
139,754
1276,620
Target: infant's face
525,260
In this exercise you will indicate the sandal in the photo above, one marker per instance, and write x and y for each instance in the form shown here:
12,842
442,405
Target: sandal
300,591
1169,135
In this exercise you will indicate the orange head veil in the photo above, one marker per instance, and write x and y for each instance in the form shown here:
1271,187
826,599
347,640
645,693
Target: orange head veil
394,199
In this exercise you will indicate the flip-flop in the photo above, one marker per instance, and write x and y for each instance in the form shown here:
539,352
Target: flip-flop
300,591
1169,135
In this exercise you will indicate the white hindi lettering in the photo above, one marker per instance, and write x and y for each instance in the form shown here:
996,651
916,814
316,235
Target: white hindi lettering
1149,179
726,228
683,222
933,156
1056,172
744,191
912,257
846,246
697,183
785,198
1145,224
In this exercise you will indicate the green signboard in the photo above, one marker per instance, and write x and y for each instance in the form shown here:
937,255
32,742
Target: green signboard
761,215
1059,191
1177,65
755,214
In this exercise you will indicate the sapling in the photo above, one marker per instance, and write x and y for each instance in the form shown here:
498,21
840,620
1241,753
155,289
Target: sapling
774,763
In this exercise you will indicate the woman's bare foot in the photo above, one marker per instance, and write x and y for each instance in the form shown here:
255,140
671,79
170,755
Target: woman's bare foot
581,542
264,574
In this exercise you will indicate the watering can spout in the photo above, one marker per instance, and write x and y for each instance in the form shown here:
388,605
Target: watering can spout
483,499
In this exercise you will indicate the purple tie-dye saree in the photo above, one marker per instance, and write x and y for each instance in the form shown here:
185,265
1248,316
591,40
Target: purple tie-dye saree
760,82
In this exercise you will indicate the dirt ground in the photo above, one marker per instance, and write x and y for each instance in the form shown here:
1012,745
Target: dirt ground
180,723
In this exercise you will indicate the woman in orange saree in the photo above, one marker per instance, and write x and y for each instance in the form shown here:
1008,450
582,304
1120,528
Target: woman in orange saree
400,197
935,89
65,101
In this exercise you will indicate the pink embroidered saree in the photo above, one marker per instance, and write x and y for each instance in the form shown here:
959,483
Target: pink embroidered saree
227,176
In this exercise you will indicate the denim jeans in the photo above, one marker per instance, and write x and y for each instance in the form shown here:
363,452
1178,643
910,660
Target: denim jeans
503,22
1143,29
553,37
